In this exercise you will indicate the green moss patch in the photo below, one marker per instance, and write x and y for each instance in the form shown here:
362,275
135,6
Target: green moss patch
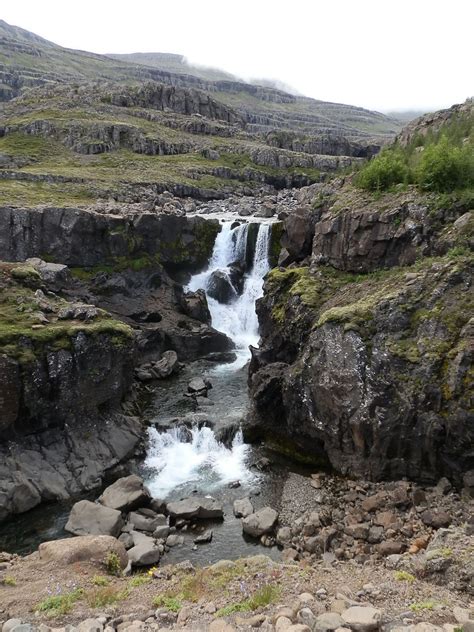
23,334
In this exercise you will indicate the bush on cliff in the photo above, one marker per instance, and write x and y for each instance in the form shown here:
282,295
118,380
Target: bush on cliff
444,167
385,170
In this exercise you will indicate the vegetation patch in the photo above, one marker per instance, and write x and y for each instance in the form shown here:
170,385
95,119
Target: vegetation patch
259,599
441,161
57,605
105,596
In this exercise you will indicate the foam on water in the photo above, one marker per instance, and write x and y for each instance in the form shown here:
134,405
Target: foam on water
203,461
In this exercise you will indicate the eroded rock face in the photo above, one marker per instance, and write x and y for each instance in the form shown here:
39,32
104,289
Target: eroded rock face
370,377
53,466
61,233
65,385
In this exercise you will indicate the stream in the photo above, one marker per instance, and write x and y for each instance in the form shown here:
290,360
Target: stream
195,446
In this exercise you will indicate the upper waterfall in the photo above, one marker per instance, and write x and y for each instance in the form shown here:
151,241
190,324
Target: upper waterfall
237,317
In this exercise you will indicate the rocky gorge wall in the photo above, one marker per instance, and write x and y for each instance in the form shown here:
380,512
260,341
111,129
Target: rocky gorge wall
70,340
84,237
370,374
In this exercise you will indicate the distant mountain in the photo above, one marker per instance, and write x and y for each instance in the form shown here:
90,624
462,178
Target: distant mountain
405,116
27,60
76,127
171,62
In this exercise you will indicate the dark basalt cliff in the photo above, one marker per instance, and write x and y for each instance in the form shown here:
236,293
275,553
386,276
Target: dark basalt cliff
70,338
60,234
370,373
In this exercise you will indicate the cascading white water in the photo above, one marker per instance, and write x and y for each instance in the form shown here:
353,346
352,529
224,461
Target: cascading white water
203,460
177,460
237,319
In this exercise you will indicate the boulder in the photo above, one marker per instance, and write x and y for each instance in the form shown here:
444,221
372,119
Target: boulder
260,522
90,625
200,508
142,522
194,305
436,519
220,287
55,274
243,508
86,548
328,621
204,538
166,366
362,618
145,553
126,494
87,518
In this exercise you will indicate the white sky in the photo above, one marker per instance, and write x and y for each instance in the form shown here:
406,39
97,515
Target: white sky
382,55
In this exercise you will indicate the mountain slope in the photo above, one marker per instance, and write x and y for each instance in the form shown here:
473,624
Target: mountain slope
28,60
171,62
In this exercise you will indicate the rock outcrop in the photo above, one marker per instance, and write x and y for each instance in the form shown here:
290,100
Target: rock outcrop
61,234
371,373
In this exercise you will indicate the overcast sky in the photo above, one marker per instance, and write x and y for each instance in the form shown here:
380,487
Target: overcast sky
399,55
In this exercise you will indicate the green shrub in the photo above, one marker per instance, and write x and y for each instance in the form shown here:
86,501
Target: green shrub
444,167
383,171
8,580
100,580
171,603
112,564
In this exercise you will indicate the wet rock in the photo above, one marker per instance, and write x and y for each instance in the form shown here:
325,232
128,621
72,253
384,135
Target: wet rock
166,366
220,287
198,508
126,494
88,548
194,305
87,518
260,522
199,386
144,522
204,538
243,508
